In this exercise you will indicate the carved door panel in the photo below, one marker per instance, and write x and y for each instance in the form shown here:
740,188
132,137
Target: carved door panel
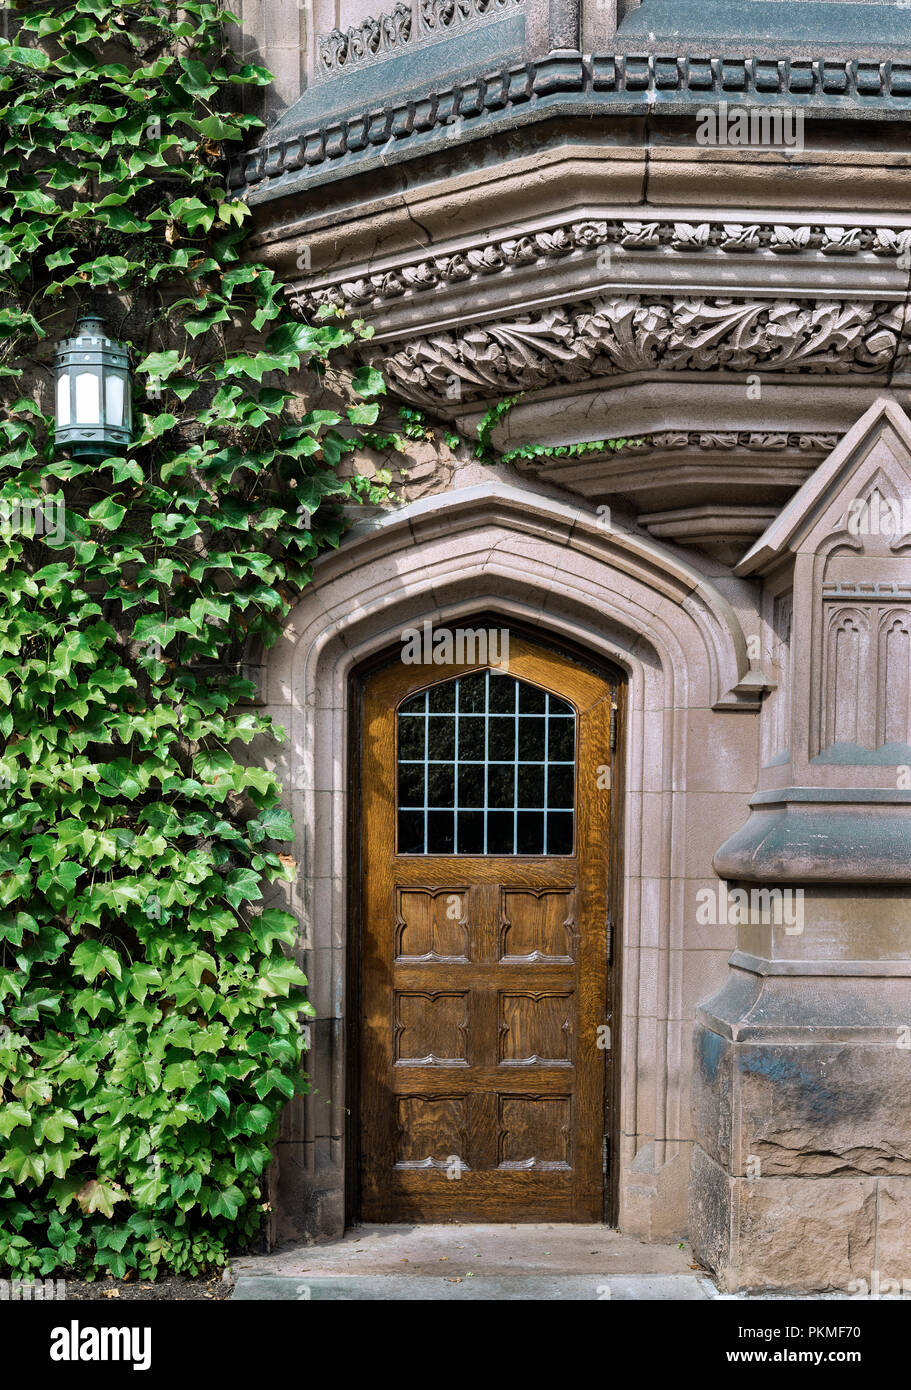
484,941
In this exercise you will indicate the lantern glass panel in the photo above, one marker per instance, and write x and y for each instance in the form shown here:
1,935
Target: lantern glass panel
88,400
113,399
63,400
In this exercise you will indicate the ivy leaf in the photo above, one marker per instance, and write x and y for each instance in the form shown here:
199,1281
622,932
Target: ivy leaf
99,1195
162,364
13,1115
196,78
107,513
242,885
181,1075
91,959
271,926
279,977
227,1203
369,381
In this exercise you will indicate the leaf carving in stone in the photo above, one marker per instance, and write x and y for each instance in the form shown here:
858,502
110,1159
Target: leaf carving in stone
768,441
640,234
823,334
690,237
457,268
706,335
789,239
890,243
629,333
817,441
486,261
520,251
740,237
844,241
558,243
357,291
718,441
421,276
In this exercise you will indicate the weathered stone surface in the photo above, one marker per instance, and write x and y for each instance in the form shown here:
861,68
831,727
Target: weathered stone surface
713,1089
826,1110
710,1214
803,1235
893,1233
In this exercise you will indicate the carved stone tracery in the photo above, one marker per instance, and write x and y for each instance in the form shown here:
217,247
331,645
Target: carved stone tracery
385,35
866,625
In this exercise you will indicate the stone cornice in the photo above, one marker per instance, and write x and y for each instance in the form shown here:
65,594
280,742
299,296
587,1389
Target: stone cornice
646,334
717,238
568,83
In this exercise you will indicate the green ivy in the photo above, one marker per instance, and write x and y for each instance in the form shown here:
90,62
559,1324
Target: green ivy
150,1011
559,451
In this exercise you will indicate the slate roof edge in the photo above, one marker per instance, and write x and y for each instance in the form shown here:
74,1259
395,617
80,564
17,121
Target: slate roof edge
566,83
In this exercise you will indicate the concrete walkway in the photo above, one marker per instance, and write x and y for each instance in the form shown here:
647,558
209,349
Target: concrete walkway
436,1263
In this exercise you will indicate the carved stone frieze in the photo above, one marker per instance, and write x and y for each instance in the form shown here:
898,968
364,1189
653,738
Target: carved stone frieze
607,336
559,242
386,35
751,440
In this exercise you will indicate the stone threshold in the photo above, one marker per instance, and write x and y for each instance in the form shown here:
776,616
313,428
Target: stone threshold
473,1288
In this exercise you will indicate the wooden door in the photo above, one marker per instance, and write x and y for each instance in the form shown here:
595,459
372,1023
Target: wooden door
485,843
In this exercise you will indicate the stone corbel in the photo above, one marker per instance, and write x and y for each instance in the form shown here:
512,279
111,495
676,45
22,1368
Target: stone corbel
747,694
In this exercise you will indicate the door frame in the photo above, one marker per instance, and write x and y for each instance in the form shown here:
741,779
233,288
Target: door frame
357,679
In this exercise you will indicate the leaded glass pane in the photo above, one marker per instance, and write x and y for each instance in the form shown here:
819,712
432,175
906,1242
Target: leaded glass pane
486,765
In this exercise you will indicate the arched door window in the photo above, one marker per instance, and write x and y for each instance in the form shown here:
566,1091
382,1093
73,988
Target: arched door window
486,765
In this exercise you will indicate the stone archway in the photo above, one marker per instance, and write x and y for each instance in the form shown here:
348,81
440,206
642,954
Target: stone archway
626,598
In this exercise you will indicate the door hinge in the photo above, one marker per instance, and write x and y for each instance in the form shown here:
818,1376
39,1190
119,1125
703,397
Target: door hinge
609,933
604,1156
613,727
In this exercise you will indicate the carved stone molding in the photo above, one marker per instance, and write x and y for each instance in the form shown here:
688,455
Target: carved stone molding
778,441
642,333
753,440
386,35
555,243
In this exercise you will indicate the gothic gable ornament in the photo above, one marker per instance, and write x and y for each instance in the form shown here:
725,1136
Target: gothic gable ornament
847,532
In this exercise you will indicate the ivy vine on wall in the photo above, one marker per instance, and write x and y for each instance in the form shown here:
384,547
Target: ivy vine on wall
150,1010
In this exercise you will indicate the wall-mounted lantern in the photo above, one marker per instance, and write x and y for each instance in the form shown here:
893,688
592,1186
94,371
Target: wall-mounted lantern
94,409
